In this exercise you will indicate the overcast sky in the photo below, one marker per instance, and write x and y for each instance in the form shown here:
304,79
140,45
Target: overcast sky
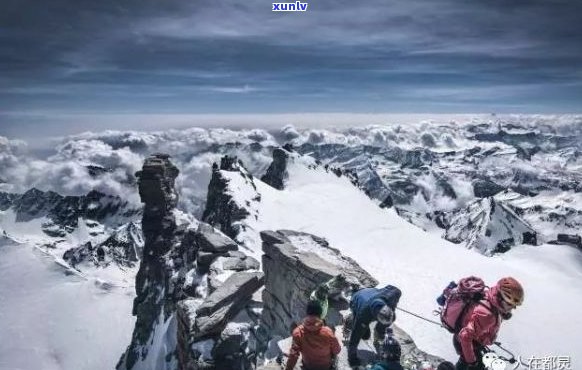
67,62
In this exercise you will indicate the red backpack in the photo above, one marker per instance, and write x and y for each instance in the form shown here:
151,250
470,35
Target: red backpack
457,299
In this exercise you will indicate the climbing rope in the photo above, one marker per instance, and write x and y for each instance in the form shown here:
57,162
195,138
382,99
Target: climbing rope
419,316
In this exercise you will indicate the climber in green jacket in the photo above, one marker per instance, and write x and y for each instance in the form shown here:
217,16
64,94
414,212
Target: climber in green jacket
321,294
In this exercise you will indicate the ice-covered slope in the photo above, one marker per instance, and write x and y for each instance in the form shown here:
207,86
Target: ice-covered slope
399,253
52,321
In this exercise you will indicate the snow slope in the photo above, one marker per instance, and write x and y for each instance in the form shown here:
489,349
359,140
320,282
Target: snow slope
421,264
51,320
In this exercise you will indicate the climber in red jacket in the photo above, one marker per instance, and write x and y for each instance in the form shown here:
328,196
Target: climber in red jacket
315,342
481,322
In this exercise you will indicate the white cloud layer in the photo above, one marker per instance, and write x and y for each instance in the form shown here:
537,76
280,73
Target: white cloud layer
121,153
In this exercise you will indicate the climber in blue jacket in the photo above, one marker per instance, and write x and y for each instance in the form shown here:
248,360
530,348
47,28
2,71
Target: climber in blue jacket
368,305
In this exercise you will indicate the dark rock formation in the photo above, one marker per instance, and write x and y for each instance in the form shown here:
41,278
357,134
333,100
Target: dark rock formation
240,263
172,282
211,244
64,212
292,273
295,263
277,171
209,240
575,240
224,303
156,286
487,225
222,211
7,200
387,203
486,188
124,248
222,325
446,187
402,191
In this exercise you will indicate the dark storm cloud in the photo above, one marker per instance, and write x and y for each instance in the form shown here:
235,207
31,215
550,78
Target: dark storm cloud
232,55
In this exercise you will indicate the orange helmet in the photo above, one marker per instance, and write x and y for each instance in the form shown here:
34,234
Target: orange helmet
510,291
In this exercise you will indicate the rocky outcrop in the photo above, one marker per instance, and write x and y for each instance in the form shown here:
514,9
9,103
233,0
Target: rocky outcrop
214,333
224,303
123,248
487,225
211,244
295,264
569,239
277,172
156,285
223,210
64,212
211,241
178,325
486,188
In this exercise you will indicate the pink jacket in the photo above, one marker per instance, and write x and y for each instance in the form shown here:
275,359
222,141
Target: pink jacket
480,324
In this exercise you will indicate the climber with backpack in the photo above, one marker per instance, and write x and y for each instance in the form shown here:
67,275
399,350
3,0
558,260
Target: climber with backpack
331,288
473,313
368,305
315,342
389,353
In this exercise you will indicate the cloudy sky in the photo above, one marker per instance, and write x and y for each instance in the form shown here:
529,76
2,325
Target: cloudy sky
72,62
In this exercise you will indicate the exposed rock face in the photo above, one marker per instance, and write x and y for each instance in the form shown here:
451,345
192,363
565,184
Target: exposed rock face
488,225
210,245
124,247
569,239
295,264
64,212
215,333
224,303
222,210
486,188
209,240
156,287
174,315
277,171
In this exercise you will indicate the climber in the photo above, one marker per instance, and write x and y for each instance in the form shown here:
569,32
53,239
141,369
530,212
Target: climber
389,353
315,342
481,322
321,294
368,305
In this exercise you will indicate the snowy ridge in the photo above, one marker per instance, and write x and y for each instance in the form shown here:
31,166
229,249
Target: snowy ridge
510,175
489,226
421,264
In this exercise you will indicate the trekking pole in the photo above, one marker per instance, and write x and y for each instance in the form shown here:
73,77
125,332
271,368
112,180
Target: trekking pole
512,360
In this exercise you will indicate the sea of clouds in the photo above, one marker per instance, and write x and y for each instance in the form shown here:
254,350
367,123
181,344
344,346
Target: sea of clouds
194,150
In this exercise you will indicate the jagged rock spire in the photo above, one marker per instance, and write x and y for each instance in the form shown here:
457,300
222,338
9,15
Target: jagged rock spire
222,211
277,172
156,189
